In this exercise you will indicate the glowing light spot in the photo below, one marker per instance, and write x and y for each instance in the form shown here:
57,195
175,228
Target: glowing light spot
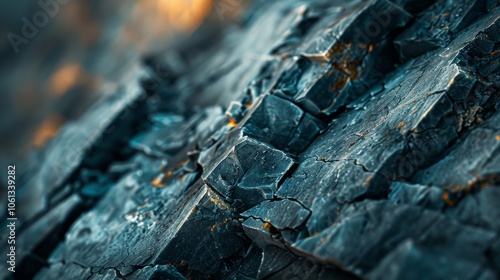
185,16
157,182
446,198
47,130
232,122
65,78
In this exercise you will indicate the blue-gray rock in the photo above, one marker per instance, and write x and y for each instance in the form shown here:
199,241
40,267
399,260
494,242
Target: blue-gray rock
315,140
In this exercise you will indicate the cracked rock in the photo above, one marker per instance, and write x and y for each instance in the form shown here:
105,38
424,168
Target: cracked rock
313,140
248,173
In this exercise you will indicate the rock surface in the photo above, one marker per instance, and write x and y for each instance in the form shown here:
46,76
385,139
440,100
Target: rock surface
355,139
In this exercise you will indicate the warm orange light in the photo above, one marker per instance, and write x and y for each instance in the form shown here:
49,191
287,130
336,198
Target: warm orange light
65,78
185,16
48,129
157,182
232,122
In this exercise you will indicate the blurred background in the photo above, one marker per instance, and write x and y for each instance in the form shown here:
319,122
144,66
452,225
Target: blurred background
59,56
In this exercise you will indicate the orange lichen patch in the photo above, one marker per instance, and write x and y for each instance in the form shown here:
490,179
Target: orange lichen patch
472,186
497,137
323,240
476,184
369,179
345,64
232,122
248,105
340,83
182,262
158,181
352,70
215,199
223,222
446,28
400,125
267,226
48,129
65,78
169,174
226,220
446,198
270,228
494,52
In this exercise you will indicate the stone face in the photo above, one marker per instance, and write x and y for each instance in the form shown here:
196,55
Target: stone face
363,151
39,237
157,272
427,197
248,173
270,211
439,24
281,124
59,270
471,164
351,49
424,230
282,264
88,142
216,236
317,140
